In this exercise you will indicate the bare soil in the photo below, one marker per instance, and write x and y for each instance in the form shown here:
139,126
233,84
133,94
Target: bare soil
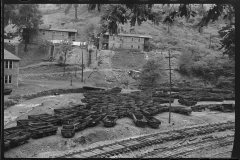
55,145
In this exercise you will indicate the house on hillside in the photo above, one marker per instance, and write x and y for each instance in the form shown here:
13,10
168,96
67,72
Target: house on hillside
124,41
11,69
39,35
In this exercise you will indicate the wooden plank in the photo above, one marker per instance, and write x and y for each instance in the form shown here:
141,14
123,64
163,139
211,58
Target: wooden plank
87,154
130,143
99,151
119,146
77,156
151,138
113,147
126,144
95,152
107,149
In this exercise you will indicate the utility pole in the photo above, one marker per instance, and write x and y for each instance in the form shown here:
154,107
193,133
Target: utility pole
82,65
170,84
210,41
82,47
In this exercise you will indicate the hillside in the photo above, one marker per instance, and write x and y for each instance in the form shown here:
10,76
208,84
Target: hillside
183,38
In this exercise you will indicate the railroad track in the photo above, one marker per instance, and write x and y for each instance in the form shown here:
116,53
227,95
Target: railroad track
132,144
221,154
184,150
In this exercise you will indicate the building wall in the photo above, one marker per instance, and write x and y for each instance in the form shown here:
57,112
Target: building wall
39,37
126,43
14,72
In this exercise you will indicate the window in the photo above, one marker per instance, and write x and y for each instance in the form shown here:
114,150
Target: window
120,46
8,79
131,46
139,40
138,47
43,32
62,33
132,39
54,32
9,64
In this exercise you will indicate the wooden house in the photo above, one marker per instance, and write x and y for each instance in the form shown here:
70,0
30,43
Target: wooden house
124,41
11,69
37,36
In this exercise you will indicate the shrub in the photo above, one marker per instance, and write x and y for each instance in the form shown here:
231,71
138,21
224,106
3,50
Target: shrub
199,68
185,62
152,71
225,82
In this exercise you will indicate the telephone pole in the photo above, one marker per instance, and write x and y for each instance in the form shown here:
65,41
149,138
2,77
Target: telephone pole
210,41
83,46
170,84
82,65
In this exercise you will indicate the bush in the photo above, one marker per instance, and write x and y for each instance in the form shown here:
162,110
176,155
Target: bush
200,68
44,46
185,62
152,71
225,82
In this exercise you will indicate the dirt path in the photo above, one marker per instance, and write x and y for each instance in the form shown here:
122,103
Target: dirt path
38,65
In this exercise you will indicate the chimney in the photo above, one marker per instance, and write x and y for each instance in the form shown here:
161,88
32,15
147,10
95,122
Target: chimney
50,26
16,49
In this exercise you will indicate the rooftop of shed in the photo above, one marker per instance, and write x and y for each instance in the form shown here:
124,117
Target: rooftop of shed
9,56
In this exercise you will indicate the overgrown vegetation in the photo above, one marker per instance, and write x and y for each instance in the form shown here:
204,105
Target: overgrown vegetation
216,70
152,72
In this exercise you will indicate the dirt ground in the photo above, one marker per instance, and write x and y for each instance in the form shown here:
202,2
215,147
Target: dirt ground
125,128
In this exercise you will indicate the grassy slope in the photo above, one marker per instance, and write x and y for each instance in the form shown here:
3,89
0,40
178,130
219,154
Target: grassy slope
184,37
33,56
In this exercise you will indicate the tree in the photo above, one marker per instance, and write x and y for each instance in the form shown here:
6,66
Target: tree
26,16
65,48
69,6
10,13
132,13
89,30
227,34
152,71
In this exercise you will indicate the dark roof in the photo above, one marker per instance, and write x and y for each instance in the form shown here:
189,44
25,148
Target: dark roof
133,35
9,56
56,29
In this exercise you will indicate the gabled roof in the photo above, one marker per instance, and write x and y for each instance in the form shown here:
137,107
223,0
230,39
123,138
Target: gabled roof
9,56
132,35
56,29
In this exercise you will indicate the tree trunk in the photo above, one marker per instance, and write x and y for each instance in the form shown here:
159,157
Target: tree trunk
25,48
65,59
26,37
89,58
75,70
76,12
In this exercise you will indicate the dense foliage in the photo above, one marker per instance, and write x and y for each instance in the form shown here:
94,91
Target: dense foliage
152,72
23,16
228,40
